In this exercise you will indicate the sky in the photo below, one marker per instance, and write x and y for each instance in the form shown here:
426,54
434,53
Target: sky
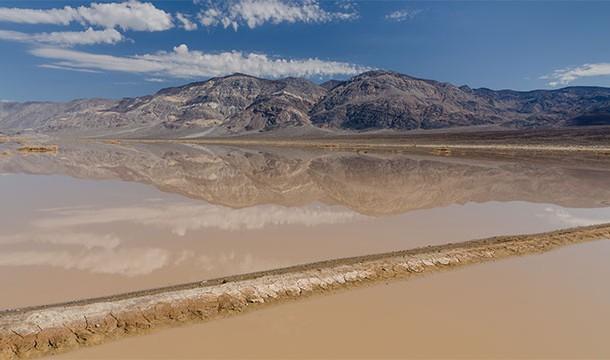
61,50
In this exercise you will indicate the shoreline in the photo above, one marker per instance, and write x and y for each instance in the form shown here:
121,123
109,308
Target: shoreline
563,139
439,149
49,329
442,147
593,140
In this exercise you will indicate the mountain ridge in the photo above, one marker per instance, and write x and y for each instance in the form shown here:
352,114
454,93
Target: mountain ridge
375,100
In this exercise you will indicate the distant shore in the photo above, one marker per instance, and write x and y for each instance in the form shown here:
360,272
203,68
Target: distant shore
50,329
595,140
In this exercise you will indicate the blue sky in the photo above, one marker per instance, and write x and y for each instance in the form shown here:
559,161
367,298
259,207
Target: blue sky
59,50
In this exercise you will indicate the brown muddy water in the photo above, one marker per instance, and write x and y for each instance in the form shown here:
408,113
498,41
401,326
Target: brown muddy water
528,307
97,219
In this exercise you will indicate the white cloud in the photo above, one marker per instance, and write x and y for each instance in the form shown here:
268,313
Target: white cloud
157,80
58,67
566,76
254,13
402,15
186,22
185,63
72,59
129,15
66,38
209,17
39,16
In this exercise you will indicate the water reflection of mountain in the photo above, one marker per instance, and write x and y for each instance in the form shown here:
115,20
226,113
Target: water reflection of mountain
372,184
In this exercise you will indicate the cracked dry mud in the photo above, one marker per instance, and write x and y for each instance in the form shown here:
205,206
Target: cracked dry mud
52,329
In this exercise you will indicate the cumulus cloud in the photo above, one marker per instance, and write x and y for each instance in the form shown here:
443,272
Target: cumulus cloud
186,22
66,38
185,63
254,13
402,15
567,75
62,16
129,15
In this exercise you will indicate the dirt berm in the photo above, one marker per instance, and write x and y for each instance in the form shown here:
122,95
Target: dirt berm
51,329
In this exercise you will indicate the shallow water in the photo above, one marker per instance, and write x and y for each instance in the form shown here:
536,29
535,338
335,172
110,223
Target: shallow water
548,306
97,219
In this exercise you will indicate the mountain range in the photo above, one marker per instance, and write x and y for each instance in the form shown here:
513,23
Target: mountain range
375,100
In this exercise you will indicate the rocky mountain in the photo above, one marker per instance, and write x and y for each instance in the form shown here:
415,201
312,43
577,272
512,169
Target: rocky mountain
239,103
385,100
49,115
331,84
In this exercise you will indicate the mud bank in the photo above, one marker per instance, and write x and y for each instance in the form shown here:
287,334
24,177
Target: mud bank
56,328
39,149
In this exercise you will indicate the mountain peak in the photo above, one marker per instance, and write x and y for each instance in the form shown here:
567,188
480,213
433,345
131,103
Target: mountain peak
381,73
238,75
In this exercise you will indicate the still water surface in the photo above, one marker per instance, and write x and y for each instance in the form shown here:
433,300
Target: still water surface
549,306
97,219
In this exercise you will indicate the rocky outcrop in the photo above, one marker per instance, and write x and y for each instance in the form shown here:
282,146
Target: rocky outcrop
52,329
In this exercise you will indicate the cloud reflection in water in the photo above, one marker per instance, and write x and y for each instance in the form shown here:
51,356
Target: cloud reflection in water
56,238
